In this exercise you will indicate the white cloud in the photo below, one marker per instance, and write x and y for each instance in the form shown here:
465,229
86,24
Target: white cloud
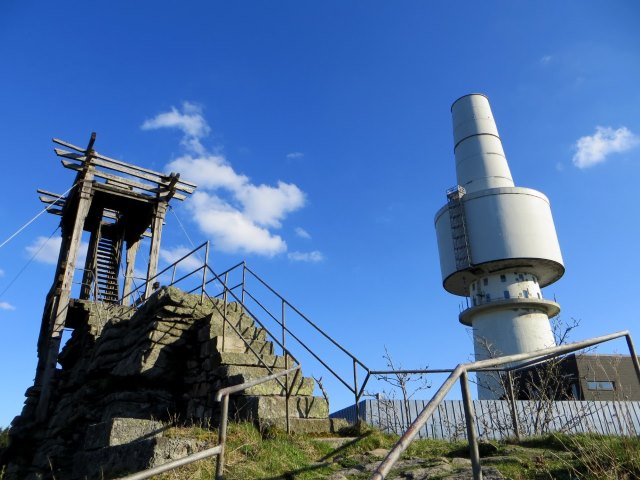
232,231
209,172
6,306
302,233
545,59
313,257
267,205
1,273
295,155
46,251
237,214
189,264
190,121
594,149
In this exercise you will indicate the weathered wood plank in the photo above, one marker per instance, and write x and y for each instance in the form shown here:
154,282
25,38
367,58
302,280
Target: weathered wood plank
52,200
68,145
133,170
122,181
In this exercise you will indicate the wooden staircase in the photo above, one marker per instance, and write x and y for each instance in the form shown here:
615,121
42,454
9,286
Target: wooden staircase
107,261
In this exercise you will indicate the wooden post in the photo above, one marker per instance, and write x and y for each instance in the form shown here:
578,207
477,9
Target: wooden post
59,314
154,251
132,250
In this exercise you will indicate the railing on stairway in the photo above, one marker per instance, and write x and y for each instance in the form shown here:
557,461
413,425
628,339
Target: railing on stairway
236,285
222,395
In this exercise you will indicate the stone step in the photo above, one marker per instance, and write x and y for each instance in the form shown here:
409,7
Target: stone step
129,458
252,407
119,431
234,374
246,331
239,320
299,425
238,345
248,359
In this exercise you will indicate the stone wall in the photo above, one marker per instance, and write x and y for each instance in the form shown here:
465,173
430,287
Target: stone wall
127,374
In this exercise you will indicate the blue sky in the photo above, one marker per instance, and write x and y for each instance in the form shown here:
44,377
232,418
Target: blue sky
320,136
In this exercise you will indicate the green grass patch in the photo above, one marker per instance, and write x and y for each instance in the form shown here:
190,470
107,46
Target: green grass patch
274,455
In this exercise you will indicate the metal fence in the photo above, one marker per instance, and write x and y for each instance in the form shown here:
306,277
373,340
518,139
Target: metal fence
494,421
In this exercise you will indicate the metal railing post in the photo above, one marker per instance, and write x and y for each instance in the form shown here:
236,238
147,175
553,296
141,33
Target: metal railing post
173,274
634,357
222,437
204,271
355,389
286,366
224,310
512,406
244,270
470,420
394,454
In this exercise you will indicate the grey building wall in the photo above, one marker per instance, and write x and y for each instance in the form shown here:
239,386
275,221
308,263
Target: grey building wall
597,373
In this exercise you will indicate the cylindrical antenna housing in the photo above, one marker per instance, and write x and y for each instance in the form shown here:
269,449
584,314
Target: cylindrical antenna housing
480,158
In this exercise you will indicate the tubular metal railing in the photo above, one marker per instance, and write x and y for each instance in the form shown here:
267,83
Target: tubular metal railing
221,395
461,373
242,294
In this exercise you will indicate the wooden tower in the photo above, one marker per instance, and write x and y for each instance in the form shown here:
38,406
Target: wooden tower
117,209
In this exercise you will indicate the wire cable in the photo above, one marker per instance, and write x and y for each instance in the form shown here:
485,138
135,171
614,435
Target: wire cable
34,218
182,227
28,262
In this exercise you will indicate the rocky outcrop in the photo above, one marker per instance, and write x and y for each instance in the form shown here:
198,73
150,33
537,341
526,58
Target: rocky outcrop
126,373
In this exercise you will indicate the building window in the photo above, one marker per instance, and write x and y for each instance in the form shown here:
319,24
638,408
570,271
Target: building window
488,297
503,278
485,281
506,294
473,286
539,296
521,277
601,385
526,293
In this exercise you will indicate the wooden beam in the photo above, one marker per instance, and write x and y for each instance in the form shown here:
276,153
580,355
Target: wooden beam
68,145
124,167
47,192
53,201
120,180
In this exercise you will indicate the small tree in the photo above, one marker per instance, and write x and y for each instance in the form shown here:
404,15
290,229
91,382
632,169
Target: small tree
541,384
408,384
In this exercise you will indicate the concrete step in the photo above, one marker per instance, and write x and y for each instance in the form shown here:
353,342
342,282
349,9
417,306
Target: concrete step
252,407
234,374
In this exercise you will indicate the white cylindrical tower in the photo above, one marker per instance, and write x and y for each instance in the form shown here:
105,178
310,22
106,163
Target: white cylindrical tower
497,243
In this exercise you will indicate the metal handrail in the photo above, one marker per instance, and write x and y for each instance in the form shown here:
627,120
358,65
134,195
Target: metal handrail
356,389
358,392
247,344
173,265
221,395
255,318
304,317
460,372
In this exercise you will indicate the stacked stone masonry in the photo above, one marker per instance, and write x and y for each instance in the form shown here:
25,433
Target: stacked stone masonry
127,373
